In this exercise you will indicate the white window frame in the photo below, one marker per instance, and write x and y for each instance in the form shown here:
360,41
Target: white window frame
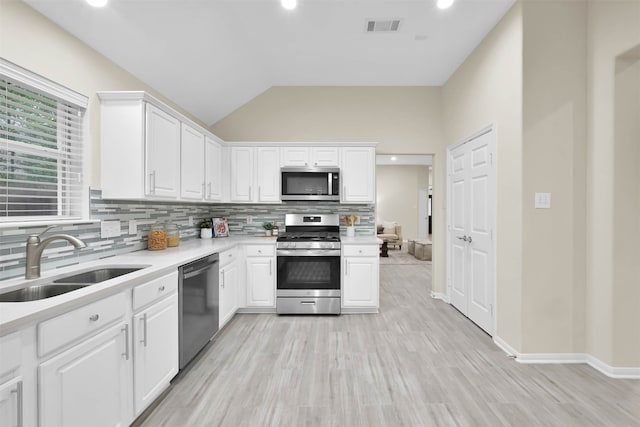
53,89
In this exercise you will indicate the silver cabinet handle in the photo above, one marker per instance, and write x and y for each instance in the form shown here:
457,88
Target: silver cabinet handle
204,189
144,331
270,267
125,329
94,317
250,198
209,190
223,277
18,393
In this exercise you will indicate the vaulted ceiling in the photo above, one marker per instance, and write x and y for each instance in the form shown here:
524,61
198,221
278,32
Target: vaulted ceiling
212,56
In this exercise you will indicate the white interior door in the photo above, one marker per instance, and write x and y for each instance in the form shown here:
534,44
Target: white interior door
471,219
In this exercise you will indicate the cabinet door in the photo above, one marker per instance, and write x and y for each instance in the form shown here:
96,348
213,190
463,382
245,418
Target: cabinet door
242,174
358,175
360,282
155,345
162,149
213,170
261,283
268,179
296,156
228,292
11,403
191,164
325,156
89,384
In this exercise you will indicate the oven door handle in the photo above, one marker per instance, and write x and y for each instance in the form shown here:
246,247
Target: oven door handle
308,252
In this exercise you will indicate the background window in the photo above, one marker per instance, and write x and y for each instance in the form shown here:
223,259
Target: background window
41,148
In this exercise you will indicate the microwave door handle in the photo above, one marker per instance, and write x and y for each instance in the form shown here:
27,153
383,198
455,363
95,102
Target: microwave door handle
330,186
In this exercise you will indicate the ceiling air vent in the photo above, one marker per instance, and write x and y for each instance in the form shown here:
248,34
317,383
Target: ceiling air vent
384,25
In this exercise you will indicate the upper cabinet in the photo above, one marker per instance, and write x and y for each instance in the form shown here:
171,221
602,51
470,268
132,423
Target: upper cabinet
255,174
149,151
358,169
192,183
317,156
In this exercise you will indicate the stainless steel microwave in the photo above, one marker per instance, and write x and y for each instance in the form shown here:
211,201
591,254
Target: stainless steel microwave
315,184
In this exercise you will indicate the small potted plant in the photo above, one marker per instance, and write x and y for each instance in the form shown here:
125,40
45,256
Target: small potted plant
268,226
206,226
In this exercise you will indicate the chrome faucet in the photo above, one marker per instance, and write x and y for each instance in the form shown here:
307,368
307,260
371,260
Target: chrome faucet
35,246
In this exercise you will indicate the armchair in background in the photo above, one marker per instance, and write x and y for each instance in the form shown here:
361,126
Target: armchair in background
390,231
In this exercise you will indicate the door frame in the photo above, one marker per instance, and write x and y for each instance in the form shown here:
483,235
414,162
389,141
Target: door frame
491,128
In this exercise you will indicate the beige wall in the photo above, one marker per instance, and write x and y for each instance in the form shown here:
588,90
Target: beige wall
403,120
554,150
485,90
50,51
610,322
397,189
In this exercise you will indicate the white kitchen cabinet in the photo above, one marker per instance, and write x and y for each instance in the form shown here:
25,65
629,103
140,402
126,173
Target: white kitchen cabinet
261,276
255,174
155,349
149,151
213,170
192,164
90,383
11,403
360,277
162,151
229,281
317,156
358,171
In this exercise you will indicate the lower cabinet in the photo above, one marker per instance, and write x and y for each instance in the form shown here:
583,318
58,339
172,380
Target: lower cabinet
155,350
11,401
261,276
229,281
360,277
88,384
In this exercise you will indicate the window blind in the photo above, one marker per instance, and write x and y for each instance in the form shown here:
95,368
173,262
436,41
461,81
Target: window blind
41,154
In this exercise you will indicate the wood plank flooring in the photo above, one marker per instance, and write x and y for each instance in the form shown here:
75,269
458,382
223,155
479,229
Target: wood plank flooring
417,363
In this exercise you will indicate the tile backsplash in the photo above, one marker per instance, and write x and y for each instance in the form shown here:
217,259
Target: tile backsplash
60,253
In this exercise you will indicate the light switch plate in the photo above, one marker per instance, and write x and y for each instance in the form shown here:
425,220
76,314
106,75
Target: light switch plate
109,229
543,201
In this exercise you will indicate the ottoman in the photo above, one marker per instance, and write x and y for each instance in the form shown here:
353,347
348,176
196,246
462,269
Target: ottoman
423,250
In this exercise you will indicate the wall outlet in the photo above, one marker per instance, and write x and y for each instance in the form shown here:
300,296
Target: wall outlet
190,221
109,229
543,201
133,226
249,219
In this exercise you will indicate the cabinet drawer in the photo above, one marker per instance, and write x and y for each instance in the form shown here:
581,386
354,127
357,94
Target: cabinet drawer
154,290
10,353
363,250
227,257
260,250
62,330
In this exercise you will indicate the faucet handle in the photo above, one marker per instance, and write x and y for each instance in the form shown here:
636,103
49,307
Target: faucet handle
45,230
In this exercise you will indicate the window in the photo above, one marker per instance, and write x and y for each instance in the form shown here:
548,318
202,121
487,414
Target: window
41,148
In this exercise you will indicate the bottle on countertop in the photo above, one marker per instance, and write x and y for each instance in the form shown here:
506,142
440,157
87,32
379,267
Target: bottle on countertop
275,229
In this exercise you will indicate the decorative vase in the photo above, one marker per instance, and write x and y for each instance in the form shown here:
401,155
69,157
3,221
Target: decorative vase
206,233
351,231
267,232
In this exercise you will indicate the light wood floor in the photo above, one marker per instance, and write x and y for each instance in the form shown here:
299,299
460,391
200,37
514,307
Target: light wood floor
417,363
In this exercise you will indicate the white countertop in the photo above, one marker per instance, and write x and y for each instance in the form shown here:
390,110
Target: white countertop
14,315
360,240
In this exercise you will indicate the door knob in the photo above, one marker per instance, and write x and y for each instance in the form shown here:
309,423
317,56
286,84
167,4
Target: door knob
464,238
469,239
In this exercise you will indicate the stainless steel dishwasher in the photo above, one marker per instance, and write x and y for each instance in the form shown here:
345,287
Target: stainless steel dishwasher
198,306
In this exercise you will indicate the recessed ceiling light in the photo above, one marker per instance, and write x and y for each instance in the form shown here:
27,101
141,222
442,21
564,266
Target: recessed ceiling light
97,3
289,4
444,4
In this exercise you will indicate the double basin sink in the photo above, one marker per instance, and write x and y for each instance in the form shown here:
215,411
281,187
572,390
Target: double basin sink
65,284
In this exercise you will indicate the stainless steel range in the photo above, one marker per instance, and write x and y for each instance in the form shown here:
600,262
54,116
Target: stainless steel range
308,254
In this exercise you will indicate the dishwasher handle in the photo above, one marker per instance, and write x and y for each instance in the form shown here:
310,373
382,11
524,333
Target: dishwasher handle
192,273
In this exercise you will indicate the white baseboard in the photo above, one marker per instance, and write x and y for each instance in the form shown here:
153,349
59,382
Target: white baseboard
440,296
560,358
